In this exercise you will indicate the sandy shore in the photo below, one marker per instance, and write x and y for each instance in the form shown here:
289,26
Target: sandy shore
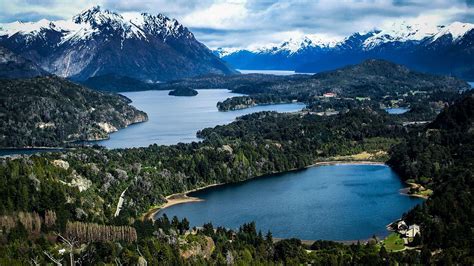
346,162
175,199
406,192
345,242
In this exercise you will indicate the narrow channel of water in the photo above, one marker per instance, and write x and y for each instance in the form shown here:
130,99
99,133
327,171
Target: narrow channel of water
177,119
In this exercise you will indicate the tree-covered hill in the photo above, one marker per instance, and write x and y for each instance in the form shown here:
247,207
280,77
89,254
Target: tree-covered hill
50,111
441,157
116,83
372,81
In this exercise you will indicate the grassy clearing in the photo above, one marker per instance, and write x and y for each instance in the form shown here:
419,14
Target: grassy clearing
363,156
393,242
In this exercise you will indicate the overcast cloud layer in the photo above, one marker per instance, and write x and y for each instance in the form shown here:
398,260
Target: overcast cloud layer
247,23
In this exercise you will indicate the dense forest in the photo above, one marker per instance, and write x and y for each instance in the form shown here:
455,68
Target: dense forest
51,111
117,83
49,202
441,157
374,83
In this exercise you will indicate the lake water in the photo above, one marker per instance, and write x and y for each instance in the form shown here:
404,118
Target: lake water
396,111
336,202
177,119
272,72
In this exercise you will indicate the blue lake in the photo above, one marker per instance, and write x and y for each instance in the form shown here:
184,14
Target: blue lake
177,119
336,202
272,72
396,111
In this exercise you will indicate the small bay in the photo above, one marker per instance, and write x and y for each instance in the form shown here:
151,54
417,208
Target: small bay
397,111
335,202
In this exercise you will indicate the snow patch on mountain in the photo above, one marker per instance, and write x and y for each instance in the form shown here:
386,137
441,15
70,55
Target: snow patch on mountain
221,52
402,32
397,32
13,28
457,30
296,44
89,22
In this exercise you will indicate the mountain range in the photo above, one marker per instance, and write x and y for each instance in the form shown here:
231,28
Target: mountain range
98,42
424,47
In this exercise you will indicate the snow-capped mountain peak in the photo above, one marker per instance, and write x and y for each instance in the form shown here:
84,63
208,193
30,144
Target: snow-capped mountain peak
221,52
96,16
12,28
296,44
456,30
401,32
97,21
148,47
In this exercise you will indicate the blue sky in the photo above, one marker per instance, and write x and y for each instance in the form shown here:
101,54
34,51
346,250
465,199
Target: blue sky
247,23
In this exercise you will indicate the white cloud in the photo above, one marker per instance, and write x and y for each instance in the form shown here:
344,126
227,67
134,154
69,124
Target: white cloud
220,15
244,23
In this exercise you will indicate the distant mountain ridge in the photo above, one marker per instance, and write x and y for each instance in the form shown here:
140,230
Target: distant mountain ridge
435,49
101,42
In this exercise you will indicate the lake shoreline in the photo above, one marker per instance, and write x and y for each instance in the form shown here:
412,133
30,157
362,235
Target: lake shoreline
309,242
183,197
175,199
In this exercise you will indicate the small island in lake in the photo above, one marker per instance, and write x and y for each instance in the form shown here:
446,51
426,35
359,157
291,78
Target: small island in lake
183,92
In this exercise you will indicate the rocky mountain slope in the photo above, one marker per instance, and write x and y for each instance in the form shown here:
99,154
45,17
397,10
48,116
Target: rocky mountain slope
14,66
424,47
51,111
101,42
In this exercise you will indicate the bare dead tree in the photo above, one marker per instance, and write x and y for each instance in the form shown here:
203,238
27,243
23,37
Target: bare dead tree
141,255
56,261
34,261
117,262
71,243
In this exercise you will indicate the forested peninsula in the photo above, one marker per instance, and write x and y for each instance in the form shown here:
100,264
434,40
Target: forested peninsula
51,111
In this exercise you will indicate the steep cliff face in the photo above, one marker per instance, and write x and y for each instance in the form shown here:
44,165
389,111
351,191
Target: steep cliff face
51,111
101,42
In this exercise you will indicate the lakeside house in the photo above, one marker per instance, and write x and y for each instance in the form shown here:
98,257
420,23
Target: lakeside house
412,231
402,227
407,232
329,95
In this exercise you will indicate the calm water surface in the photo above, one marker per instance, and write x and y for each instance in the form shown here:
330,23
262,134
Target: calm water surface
396,111
177,119
272,72
337,202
